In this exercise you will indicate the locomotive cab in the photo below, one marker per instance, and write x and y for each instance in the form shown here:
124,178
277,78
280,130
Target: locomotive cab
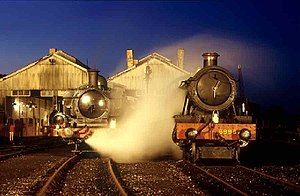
209,127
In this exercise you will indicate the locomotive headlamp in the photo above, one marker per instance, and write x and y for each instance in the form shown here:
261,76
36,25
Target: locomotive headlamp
245,134
68,132
191,133
101,103
59,119
85,99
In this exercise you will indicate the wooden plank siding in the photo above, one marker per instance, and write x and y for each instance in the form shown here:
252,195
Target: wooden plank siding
44,76
162,78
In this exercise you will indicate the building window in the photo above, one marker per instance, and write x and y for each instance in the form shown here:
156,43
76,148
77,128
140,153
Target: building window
14,93
22,93
26,92
46,93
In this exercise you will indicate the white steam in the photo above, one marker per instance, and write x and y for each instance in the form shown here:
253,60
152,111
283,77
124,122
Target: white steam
146,132
258,61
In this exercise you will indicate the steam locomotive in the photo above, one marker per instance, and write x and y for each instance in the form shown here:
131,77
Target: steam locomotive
87,109
214,123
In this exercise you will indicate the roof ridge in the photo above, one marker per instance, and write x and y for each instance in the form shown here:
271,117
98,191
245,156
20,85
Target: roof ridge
72,58
161,56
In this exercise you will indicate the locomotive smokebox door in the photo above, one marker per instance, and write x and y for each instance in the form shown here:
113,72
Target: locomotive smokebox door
212,88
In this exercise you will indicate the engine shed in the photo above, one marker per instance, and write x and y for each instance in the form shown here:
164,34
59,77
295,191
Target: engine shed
29,94
153,74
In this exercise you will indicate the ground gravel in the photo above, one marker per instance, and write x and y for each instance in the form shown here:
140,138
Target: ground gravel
156,178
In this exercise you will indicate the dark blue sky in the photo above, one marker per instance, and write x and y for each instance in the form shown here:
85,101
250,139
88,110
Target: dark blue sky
102,31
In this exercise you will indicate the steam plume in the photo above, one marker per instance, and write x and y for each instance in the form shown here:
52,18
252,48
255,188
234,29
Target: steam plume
146,132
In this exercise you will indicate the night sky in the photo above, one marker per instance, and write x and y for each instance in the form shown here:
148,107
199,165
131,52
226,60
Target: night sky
263,36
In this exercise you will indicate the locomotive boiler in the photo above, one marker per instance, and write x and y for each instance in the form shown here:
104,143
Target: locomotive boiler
213,123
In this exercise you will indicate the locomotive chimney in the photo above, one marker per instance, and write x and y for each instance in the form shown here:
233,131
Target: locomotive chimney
180,57
93,78
129,58
210,59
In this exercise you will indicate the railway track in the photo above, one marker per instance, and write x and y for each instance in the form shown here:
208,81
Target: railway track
62,173
21,173
239,180
13,151
276,180
83,174
115,178
7,150
53,180
10,150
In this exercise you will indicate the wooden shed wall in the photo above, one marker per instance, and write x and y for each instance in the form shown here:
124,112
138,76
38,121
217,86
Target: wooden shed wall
44,76
162,77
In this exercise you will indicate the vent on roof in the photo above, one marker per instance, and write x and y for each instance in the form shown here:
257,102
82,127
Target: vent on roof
52,51
180,57
129,58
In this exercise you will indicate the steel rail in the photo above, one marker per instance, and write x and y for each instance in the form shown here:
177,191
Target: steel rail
55,176
13,154
274,179
225,184
24,151
20,152
50,170
115,179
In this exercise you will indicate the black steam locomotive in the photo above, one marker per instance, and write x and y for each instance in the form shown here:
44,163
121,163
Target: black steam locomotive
214,123
87,109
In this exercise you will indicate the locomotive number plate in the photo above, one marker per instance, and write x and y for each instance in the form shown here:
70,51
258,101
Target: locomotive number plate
227,132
